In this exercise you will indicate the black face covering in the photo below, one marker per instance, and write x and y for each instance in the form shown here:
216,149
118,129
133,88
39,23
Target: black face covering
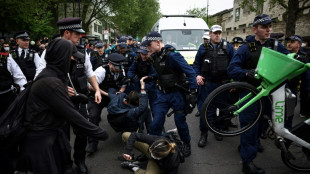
58,56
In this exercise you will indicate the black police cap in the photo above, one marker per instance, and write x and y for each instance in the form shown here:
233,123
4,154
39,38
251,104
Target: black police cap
71,23
116,59
262,19
237,40
22,35
295,37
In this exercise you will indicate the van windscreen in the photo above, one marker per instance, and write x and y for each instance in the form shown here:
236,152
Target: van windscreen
183,39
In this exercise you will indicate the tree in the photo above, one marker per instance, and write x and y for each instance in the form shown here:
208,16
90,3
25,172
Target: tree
31,15
293,11
201,13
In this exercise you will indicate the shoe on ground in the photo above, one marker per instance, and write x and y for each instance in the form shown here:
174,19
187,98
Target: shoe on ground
197,114
203,139
260,148
187,149
129,164
174,131
218,137
92,148
251,168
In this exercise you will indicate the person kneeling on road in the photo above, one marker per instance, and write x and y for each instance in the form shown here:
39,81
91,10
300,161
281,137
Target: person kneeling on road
164,155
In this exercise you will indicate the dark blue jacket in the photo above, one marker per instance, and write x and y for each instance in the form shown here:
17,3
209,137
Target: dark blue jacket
132,71
235,69
178,63
117,105
201,53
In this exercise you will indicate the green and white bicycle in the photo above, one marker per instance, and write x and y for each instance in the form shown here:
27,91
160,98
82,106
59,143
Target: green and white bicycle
231,101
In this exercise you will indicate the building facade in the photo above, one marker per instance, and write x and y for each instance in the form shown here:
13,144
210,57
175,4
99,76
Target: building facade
237,21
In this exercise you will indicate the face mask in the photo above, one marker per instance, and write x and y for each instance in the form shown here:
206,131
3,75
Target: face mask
7,49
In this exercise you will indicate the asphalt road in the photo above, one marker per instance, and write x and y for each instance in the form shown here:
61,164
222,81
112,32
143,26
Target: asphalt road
218,157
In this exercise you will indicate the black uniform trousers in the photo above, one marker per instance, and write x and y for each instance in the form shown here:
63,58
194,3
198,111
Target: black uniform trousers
94,110
80,142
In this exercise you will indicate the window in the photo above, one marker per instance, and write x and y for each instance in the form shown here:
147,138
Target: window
228,29
242,26
237,14
100,29
95,28
235,28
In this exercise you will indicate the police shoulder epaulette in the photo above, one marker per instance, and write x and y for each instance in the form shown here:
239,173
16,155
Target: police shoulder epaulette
252,46
14,54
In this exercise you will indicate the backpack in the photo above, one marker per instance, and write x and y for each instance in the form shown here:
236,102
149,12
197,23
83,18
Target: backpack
12,130
174,137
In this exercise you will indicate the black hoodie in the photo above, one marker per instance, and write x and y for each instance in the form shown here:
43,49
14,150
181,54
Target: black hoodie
49,106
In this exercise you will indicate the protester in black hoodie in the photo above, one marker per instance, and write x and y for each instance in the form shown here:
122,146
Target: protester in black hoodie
48,108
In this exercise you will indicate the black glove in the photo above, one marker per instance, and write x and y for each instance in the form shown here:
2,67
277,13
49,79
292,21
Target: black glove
251,73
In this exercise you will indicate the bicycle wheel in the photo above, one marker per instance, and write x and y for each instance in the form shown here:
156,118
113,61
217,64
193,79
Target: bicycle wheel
220,105
297,158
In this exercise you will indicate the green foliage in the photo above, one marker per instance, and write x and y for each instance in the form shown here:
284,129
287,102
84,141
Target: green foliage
134,17
201,13
30,15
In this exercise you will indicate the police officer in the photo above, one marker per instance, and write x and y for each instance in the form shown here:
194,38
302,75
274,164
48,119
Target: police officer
242,67
130,43
12,80
99,57
294,46
142,66
206,38
122,49
170,66
210,64
80,72
27,59
237,42
108,76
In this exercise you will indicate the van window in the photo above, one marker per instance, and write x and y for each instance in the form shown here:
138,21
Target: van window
183,39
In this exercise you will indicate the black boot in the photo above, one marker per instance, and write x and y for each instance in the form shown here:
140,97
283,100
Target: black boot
250,168
81,167
203,139
187,149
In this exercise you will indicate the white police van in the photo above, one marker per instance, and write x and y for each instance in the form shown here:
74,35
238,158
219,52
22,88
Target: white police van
184,32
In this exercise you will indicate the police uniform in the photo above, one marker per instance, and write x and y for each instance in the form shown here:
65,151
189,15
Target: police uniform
211,62
244,61
129,55
27,59
106,79
11,78
171,67
80,71
305,80
139,69
98,60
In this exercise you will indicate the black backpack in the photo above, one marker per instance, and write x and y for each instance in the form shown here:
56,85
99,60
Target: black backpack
174,137
12,130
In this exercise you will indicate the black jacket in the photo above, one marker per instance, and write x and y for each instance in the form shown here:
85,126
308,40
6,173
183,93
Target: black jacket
49,106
